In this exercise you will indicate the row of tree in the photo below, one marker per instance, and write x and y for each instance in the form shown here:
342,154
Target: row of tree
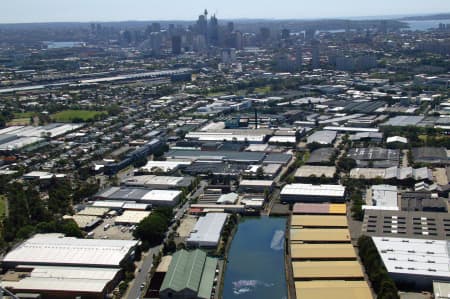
357,203
382,283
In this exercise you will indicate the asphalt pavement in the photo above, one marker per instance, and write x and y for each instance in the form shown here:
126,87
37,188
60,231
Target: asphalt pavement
141,277
135,290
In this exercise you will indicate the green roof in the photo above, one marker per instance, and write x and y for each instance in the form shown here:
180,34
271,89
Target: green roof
206,284
186,271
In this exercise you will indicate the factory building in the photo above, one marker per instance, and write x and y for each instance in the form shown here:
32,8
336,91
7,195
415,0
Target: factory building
158,182
312,193
140,195
62,282
207,230
324,262
57,250
415,262
190,275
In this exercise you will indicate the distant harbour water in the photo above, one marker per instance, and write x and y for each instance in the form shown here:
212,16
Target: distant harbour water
61,45
424,25
255,268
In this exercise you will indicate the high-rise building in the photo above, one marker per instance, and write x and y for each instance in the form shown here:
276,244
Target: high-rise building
310,34
156,27
213,31
176,44
199,44
285,33
202,25
156,42
230,27
264,34
239,43
299,58
315,54
228,56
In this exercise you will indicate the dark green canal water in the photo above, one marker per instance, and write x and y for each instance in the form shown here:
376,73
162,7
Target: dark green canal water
255,266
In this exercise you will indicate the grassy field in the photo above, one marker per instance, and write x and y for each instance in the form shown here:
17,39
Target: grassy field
440,137
21,118
263,90
19,122
24,114
72,115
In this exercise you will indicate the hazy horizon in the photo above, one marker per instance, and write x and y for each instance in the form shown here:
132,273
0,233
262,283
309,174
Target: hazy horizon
46,11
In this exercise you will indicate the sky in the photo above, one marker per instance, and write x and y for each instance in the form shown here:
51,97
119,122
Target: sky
29,11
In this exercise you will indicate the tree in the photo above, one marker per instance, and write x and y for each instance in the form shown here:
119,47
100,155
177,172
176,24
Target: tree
383,285
59,197
152,228
346,164
260,172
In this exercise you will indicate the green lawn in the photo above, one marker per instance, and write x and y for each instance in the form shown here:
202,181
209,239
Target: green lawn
264,90
19,121
24,114
74,115
439,137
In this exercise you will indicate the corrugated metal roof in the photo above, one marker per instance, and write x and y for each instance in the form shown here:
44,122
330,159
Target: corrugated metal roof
336,289
422,257
319,235
313,190
317,171
186,271
319,208
319,220
337,208
207,281
322,251
53,249
207,230
327,269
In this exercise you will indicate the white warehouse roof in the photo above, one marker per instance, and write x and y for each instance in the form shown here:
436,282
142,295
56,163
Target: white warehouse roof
132,217
384,197
414,256
70,279
161,195
207,230
313,190
55,249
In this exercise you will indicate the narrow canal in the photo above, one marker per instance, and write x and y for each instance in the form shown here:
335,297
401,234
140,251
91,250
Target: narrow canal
255,266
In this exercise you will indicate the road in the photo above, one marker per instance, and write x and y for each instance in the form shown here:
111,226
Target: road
134,290
405,158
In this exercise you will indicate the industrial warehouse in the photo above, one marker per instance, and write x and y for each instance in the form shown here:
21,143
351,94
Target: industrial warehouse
207,230
190,275
415,262
324,262
205,158
140,195
312,193
63,267
57,250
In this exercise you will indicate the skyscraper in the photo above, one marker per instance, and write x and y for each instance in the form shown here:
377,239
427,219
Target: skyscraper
299,58
176,44
285,33
202,25
213,31
315,53
156,41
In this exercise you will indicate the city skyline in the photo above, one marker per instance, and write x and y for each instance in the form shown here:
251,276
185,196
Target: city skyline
141,10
